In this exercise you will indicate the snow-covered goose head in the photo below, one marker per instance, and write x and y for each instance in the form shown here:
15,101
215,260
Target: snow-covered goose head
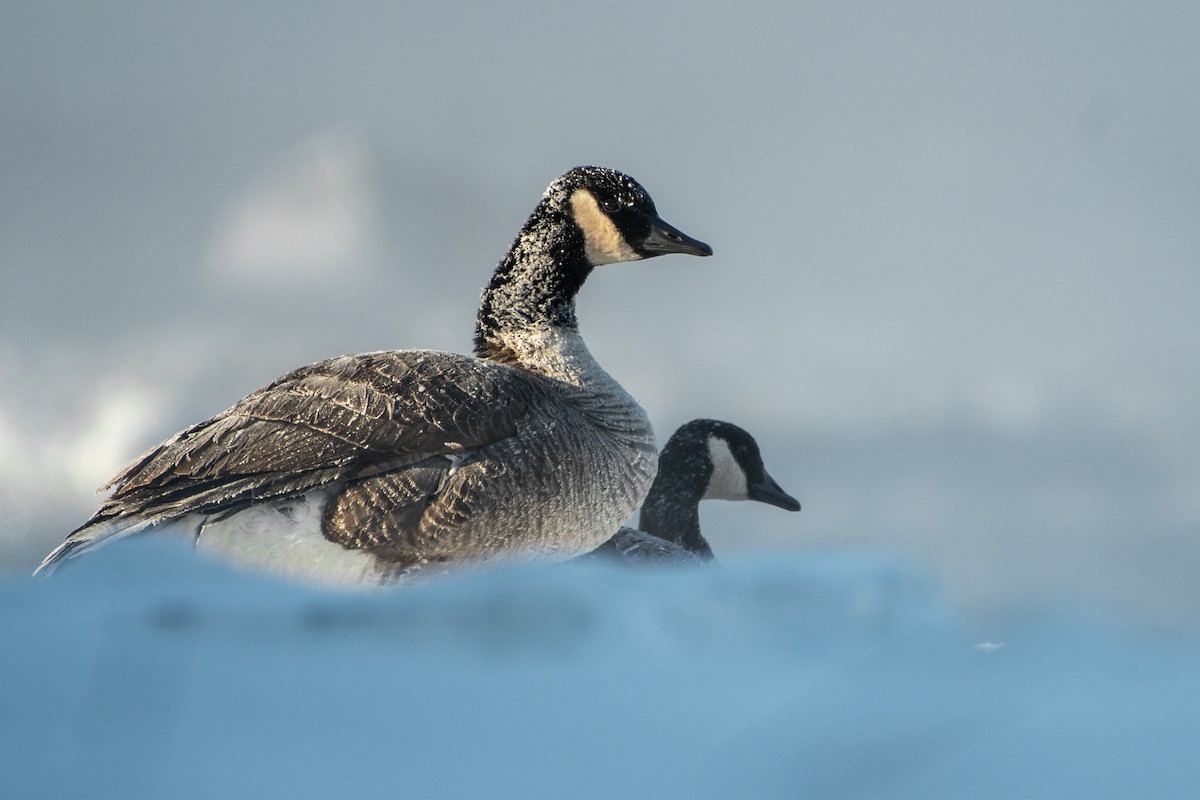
587,217
617,217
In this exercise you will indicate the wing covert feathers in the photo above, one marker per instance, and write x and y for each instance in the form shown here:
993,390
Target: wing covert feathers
338,420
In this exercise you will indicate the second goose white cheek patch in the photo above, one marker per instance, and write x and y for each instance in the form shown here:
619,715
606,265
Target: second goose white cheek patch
728,481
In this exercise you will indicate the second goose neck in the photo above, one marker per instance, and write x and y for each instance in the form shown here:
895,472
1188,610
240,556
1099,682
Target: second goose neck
672,511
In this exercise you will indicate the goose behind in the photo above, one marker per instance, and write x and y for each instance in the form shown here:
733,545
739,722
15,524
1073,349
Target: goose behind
365,469
704,459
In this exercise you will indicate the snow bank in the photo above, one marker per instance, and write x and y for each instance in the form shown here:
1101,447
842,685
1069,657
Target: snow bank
145,671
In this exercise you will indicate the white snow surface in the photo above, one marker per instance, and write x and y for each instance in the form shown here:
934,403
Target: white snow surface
145,670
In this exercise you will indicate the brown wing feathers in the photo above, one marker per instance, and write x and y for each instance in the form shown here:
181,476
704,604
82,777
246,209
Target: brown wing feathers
383,513
337,420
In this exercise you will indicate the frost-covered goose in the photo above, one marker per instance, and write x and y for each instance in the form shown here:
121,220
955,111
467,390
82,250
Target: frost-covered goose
365,468
705,459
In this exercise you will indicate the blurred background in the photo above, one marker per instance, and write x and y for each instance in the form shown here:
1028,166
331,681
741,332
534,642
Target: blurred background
954,295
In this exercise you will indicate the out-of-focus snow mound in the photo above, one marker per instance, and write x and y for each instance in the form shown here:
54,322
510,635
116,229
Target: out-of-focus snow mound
313,219
144,671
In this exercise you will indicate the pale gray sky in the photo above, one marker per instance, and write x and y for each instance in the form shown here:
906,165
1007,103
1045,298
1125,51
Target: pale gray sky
954,292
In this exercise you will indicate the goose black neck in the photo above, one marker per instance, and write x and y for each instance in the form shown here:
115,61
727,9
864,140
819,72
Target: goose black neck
535,285
671,510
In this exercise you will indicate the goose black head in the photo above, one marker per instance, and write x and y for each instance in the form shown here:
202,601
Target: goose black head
737,471
588,216
705,459
618,219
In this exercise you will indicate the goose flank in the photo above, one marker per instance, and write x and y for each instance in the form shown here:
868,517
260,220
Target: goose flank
365,469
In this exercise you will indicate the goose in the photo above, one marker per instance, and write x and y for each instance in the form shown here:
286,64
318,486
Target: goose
704,459
368,469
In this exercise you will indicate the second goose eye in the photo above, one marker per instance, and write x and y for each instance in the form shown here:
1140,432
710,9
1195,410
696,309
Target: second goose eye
610,205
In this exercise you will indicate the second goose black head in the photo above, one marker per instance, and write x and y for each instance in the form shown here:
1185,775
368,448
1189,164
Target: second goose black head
706,459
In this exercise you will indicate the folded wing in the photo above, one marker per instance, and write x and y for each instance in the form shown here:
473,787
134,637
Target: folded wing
338,420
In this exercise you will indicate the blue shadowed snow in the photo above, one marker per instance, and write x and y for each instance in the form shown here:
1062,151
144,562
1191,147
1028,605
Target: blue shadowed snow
144,671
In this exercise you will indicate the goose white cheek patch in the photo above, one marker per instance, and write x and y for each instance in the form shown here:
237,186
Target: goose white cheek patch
603,243
728,481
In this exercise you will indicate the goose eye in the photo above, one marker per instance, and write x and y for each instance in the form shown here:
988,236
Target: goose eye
610,205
